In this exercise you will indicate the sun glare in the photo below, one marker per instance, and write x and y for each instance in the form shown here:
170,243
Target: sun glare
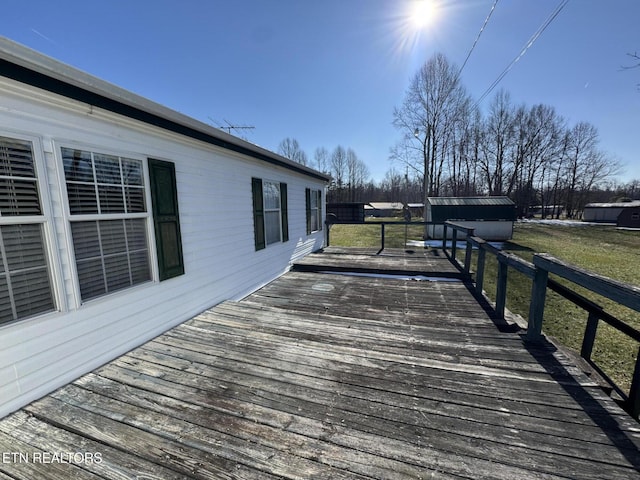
414,25
423,12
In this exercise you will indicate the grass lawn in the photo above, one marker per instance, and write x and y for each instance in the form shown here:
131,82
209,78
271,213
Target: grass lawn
601,249
369,235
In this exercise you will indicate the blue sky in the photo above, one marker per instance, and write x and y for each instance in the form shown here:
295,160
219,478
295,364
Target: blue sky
329,72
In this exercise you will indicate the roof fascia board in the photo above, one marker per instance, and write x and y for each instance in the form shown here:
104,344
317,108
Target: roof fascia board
29,67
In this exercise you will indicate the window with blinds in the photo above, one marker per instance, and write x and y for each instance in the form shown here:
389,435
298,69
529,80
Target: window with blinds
272,224
270,212
314,210
25,283
106,195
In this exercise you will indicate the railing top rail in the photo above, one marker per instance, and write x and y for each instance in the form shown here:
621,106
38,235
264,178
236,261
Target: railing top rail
514,261
593,307
517,263
381,222
620,292
477,240
459,226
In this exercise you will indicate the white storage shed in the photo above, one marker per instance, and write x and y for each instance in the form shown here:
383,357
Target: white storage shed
492,217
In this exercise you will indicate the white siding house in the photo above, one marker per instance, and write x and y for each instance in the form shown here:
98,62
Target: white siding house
120,218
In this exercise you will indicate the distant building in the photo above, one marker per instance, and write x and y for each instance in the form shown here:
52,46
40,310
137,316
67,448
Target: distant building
416,210
492,217
384,209
606,212
547,211
345,212
629,218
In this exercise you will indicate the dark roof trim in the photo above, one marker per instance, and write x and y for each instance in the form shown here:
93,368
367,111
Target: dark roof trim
502,201
41,80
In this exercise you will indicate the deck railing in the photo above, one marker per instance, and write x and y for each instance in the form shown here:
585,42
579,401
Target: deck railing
538,271
382,223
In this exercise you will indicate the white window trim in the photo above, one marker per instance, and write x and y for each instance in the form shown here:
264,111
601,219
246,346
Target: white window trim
271,210
317,193
59,144
50,245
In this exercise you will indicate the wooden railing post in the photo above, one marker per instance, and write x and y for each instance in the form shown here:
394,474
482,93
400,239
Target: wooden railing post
482,255
444,237
454,244
589,335
633,406
468,252
536,309
501,288
381,236
327,242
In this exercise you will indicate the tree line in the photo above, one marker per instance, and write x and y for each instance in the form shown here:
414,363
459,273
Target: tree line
529,153
350,175
449,147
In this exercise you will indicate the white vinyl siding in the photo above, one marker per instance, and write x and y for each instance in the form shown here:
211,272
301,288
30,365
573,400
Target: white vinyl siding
25,284
110,253
46,351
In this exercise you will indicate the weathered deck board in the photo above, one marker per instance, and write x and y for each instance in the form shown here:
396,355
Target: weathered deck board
333,376
395,261
115,463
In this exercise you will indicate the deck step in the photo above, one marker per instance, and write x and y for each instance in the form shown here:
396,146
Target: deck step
425,262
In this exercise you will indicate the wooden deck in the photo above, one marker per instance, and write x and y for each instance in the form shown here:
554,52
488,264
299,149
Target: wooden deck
329,376
392,261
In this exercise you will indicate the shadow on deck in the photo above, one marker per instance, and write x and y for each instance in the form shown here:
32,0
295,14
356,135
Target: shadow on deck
319,375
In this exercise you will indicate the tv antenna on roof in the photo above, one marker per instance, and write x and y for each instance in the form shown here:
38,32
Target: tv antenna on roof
229,126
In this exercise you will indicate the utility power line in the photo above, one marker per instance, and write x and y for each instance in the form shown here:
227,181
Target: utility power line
526,47
486,20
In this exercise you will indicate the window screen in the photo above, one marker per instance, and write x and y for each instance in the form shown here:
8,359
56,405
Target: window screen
111,253
271,191
314,210
25,283
270,212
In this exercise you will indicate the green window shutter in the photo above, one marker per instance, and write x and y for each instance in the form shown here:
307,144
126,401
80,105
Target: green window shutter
164,199
319,209
258,213
284,212
307,198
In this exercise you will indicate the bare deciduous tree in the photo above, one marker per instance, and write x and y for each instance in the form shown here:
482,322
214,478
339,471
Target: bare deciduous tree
431,107
497,144
290,148
321,158
636,59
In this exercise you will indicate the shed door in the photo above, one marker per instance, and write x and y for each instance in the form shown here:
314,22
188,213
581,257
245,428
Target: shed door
164,197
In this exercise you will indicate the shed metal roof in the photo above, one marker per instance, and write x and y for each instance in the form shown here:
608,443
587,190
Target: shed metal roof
470,201
27,66
385,205
635,203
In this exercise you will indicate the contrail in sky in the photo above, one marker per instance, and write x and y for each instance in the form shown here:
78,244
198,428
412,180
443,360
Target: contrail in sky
43,36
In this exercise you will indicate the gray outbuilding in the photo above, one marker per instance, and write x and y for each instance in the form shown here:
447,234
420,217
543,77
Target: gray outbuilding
629,218
492,217
606,212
